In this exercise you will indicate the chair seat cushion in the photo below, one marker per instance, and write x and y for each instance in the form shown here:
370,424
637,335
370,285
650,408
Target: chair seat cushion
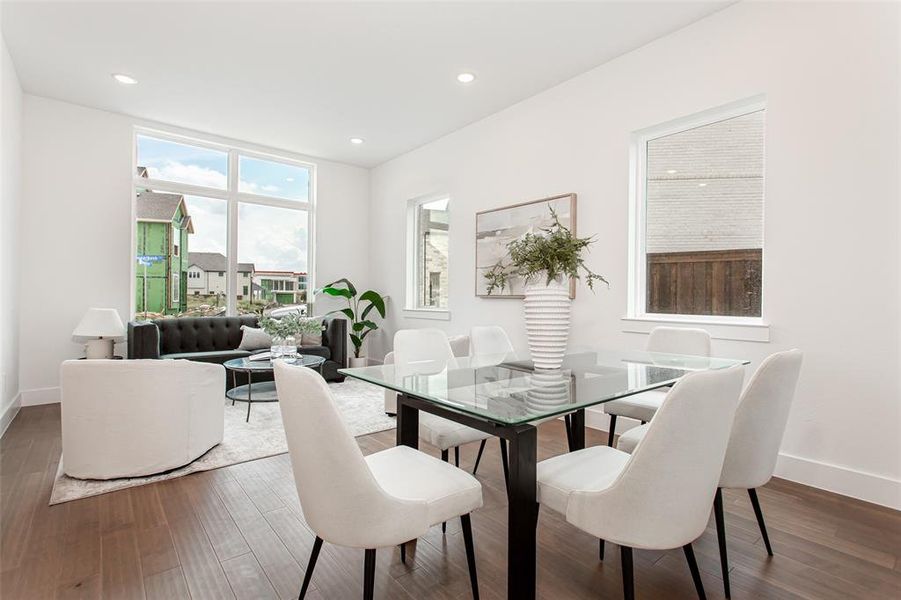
213,356
445,434
640,406
629,440
592,470
413,475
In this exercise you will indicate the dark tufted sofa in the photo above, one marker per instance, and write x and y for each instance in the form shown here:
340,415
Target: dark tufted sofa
216,340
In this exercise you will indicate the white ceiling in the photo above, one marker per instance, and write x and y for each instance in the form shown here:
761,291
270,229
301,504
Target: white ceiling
307,77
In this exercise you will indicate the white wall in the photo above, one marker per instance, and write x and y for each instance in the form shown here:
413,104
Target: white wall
77,214
830,73
10,203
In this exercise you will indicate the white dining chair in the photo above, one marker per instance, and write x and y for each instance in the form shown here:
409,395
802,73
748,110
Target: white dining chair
657,498
668,340
428,352
384,499
490,346
754,445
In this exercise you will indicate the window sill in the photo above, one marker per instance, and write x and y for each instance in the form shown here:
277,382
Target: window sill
720,328
427,313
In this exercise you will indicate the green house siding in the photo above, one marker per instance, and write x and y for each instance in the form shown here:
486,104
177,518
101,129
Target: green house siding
155,239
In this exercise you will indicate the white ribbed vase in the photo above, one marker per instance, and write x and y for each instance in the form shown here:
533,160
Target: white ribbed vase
547,309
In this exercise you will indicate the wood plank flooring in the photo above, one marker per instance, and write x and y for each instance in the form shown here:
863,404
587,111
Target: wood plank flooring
239,532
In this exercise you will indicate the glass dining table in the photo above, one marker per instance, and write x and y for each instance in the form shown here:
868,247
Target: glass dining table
507,397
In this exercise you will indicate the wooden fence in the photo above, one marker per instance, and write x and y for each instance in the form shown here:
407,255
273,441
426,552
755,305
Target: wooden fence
722,282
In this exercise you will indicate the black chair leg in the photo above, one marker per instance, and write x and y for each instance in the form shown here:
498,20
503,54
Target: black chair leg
601,550
612,430
695,573
369,575
444,457
317,546
759,514
721,539
628,576
470,555
504,461
457,456
479,456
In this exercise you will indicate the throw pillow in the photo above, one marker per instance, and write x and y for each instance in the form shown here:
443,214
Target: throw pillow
312,339
254,339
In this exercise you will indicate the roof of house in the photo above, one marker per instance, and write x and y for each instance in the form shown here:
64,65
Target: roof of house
214,261
157,206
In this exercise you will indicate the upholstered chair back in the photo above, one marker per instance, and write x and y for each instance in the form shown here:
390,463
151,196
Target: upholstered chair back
489,345
679,340
422,352
342,501
760,422
662,498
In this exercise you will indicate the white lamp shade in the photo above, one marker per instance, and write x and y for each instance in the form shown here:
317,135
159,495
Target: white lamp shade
100,322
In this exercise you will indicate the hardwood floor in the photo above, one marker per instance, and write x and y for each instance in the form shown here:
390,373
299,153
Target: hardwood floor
238,532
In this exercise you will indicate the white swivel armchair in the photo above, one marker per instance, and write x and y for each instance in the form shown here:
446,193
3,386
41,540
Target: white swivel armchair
670,340
385,499
754,445
132,418
659,497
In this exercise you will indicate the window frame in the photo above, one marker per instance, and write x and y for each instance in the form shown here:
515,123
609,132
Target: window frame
411,302
230,194
637,318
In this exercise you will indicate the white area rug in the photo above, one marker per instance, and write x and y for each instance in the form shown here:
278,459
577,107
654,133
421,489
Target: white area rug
361,405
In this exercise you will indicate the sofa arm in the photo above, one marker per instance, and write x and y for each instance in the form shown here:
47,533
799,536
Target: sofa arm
143,340
335,337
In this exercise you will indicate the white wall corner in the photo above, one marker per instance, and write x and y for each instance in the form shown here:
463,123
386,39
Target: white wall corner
35,397
9,415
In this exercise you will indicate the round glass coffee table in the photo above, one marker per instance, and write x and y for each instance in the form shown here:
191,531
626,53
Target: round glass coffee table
261,391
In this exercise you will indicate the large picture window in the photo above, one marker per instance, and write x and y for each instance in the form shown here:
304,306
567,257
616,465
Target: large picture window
698,231
219,230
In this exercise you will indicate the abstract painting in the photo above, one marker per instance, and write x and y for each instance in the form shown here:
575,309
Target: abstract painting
498,227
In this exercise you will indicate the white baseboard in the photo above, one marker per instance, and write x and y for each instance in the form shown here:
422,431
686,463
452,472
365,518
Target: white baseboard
869,487
10,414
40,396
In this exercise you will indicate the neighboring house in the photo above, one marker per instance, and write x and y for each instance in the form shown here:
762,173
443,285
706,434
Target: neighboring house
163,226
283,287
207,275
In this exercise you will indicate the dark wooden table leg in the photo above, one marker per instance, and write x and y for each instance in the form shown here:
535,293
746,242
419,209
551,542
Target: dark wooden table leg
522,516
577,425
407,424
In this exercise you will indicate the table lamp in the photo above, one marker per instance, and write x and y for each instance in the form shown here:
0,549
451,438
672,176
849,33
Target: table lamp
99,328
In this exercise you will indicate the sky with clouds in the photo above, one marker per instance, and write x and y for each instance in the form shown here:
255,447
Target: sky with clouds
271,238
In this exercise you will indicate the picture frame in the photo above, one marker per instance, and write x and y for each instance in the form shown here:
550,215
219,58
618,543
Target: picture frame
497,227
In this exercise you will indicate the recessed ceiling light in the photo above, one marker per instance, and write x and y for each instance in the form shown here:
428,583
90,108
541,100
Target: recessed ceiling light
702,185
356,140
124,79
671,171
466,77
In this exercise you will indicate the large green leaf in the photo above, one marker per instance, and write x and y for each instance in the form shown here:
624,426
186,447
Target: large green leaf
361,325
375,301
356,340
339,282
348,313
331,291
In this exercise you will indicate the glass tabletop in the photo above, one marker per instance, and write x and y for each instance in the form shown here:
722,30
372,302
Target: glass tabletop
245,364
508,391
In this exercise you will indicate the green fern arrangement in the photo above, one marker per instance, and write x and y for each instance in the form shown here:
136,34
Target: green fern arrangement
555,252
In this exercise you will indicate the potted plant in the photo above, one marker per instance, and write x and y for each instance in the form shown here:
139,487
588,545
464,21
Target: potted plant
358,312
290,327
545,261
